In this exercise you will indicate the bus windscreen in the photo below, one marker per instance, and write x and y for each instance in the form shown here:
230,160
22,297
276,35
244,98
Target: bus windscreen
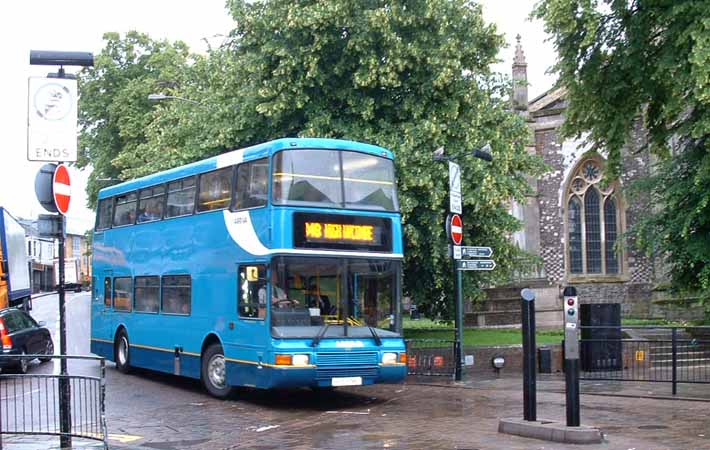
308,293
334,179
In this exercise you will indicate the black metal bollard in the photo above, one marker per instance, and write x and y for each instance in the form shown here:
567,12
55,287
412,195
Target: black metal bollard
527,305
571,349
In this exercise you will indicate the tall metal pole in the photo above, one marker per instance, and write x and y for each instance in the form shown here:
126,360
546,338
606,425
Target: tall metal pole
458,342
527,305
64,388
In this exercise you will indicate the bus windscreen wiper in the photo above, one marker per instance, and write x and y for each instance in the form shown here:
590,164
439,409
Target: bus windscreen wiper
378,341
320,335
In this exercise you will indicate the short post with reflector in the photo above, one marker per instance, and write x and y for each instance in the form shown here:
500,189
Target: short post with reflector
571,312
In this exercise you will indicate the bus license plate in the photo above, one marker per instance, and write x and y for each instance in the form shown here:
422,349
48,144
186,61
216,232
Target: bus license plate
346,381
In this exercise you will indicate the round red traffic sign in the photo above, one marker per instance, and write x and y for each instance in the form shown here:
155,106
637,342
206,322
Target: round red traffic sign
61,188
456,229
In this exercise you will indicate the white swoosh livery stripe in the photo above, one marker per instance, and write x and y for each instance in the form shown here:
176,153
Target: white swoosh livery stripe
242,231
230,159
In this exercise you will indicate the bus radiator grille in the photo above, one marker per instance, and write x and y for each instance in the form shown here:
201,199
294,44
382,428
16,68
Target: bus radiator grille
346,359
323,374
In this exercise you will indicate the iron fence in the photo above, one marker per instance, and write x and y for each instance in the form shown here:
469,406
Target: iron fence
646,354
30,403
431,357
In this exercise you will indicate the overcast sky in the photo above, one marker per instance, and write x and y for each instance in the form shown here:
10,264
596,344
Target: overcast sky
79,25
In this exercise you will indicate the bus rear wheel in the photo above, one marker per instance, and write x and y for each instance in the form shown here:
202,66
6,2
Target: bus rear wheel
214,372
123,355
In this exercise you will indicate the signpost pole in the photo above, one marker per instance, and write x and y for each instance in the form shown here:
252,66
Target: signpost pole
455,232
52,118
64,391
458,354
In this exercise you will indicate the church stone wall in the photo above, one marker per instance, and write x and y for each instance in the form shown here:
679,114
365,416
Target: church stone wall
633,288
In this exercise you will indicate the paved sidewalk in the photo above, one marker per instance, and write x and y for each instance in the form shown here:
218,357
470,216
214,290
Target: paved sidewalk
436,414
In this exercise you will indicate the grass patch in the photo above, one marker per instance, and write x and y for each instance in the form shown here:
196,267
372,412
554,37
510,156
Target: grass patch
485,336
426,324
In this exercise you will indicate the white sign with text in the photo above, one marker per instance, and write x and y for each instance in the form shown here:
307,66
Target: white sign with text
52,119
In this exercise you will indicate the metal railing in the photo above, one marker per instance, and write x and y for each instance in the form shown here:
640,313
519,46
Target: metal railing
431,357
645,354
30,403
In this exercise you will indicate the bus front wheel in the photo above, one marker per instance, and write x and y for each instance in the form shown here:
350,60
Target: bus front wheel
123,355
214,372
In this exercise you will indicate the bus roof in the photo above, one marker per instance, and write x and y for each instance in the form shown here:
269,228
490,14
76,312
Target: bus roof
249,153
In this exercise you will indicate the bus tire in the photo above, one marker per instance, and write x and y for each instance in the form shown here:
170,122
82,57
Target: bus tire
123,354
214,372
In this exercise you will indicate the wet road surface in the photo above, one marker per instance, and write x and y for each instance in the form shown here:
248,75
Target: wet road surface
149,410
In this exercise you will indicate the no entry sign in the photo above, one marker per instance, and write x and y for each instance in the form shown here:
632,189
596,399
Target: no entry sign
61,187
455,226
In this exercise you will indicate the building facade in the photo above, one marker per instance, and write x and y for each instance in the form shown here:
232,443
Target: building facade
576,221
40,252
43,255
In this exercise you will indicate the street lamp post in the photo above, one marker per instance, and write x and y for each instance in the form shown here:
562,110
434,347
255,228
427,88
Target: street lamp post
160,96
481,153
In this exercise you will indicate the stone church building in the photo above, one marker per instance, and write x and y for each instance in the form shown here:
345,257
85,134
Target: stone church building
575,222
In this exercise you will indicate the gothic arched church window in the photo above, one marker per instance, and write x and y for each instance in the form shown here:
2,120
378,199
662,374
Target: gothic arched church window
593,221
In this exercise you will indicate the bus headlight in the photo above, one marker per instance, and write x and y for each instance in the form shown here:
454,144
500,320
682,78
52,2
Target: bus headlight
292,360
300,360
389,358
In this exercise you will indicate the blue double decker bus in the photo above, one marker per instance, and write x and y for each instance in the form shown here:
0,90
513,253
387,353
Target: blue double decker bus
277,265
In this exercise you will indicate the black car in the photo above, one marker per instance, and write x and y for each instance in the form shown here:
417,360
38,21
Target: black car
22,335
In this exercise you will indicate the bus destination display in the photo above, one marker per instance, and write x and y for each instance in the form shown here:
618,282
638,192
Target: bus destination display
342,232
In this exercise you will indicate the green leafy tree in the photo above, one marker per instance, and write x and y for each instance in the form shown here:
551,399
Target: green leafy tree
114,110
649,59
407,75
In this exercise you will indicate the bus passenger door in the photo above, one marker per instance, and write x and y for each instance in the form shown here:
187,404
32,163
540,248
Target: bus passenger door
102,317
252,330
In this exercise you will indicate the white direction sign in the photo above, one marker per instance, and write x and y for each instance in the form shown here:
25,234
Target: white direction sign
476,252
51,119
475,264
455,188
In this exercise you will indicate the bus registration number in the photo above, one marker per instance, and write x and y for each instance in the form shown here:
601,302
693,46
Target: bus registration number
346,381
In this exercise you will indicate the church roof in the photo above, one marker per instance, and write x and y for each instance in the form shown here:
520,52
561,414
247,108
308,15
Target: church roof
551,99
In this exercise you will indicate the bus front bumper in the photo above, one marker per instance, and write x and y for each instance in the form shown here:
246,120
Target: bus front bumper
288,377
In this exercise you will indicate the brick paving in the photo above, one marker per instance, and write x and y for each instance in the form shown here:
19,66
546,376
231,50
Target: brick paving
169,413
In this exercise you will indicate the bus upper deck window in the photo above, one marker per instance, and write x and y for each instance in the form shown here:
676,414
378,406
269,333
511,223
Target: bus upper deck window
105,213
252,186
150,204
215,190
125,209
181,197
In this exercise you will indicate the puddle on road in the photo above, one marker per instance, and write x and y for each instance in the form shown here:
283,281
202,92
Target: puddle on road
170,445
652,427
